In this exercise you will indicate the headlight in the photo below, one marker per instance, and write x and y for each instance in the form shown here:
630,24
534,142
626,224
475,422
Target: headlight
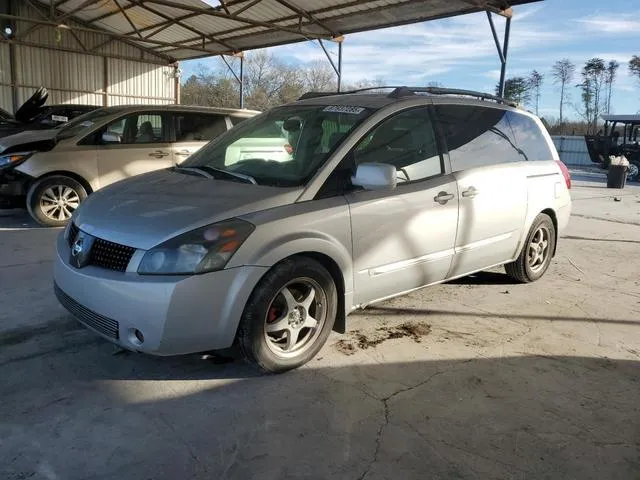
13,159
203,250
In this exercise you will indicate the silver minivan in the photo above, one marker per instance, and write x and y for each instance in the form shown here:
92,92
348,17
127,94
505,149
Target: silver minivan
56,169
382,195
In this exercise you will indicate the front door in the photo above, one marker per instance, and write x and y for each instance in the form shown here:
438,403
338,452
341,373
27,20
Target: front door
134,144
404,238
488,167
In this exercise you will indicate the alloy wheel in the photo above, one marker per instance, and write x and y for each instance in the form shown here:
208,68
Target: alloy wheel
538,250
58,202
295,317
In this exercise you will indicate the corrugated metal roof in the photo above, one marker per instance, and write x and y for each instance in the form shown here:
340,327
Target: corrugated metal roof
192,28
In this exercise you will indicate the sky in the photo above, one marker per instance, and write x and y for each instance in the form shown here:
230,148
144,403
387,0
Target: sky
460,53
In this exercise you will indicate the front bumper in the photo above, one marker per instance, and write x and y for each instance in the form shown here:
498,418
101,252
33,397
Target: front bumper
176,314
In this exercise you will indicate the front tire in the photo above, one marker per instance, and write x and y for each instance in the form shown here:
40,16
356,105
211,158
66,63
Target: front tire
289,315
52,200
535,257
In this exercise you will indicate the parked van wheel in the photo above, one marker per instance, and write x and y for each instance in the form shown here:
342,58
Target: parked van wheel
52,200
535,257
289,315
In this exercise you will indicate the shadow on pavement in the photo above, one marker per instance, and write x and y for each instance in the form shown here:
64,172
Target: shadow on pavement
89,414
485,278
17,219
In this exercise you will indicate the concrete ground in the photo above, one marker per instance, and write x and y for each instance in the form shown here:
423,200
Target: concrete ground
479,378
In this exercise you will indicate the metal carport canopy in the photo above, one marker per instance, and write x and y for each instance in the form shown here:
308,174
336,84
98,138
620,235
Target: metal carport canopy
187,29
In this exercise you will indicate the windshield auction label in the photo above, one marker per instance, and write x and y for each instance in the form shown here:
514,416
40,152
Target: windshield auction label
343,109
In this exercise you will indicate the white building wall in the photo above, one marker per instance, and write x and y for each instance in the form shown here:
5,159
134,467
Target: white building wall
81,73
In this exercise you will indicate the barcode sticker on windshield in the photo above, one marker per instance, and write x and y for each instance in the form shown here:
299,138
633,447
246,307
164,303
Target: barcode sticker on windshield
59,118
343,109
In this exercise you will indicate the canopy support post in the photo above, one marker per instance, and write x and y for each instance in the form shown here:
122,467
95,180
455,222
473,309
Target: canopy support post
503,50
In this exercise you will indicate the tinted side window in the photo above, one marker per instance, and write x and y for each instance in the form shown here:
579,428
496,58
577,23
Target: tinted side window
198,127
135,128
529,137
477,136
406,141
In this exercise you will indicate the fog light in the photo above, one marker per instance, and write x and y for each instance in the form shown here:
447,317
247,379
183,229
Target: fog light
139,335
136,337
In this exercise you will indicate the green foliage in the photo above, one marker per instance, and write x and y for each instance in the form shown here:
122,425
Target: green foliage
516,89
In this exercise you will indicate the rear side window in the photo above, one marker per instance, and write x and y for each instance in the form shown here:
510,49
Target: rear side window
198,127
530,138
478,136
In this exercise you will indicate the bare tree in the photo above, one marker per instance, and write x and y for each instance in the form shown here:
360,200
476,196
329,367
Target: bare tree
318,76
536,79
610,78
563,72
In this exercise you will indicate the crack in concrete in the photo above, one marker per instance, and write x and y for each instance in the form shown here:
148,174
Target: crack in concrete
385,423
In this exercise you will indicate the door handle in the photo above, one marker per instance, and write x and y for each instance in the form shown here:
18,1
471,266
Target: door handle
158,154
470,192
443,197
183,153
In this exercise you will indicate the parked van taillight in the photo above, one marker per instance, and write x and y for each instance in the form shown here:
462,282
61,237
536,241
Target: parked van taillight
565,173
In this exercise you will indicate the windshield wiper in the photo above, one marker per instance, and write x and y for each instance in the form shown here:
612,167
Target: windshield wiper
241,176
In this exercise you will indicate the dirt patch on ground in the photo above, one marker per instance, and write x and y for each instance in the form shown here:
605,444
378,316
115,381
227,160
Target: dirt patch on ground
363,341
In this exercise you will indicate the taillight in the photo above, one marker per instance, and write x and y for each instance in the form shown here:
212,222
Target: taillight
288,148
565,173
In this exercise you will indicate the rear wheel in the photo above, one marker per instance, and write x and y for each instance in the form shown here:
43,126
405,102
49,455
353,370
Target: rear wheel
289,315
52,200
633,172
535,257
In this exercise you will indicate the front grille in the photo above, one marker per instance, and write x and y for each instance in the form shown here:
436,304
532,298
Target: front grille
73,233
100,323
111,256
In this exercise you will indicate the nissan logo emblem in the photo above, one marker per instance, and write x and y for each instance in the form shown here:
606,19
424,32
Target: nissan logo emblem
76,249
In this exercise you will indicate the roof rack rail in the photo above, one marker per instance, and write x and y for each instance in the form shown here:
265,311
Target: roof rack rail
408,91
306,95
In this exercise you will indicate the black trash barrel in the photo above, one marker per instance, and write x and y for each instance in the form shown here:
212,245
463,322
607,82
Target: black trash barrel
617,176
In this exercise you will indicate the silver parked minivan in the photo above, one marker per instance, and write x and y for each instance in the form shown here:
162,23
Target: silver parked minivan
56,169
382,195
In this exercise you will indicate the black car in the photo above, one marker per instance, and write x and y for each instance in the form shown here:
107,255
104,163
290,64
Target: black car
34,115
621,136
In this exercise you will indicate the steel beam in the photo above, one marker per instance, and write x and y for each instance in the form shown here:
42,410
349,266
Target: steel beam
110,34
503,49
254,23
124,39
239,78
173,21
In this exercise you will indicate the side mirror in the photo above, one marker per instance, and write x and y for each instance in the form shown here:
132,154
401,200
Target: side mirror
375,176
108,137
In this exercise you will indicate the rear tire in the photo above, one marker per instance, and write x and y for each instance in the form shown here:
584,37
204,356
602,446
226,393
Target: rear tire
52,200
289,315
536,255
634,172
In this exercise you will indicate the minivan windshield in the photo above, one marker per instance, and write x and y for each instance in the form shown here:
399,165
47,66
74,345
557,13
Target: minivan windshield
83,123
284,147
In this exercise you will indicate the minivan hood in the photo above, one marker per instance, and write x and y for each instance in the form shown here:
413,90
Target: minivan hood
41,140
146,210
